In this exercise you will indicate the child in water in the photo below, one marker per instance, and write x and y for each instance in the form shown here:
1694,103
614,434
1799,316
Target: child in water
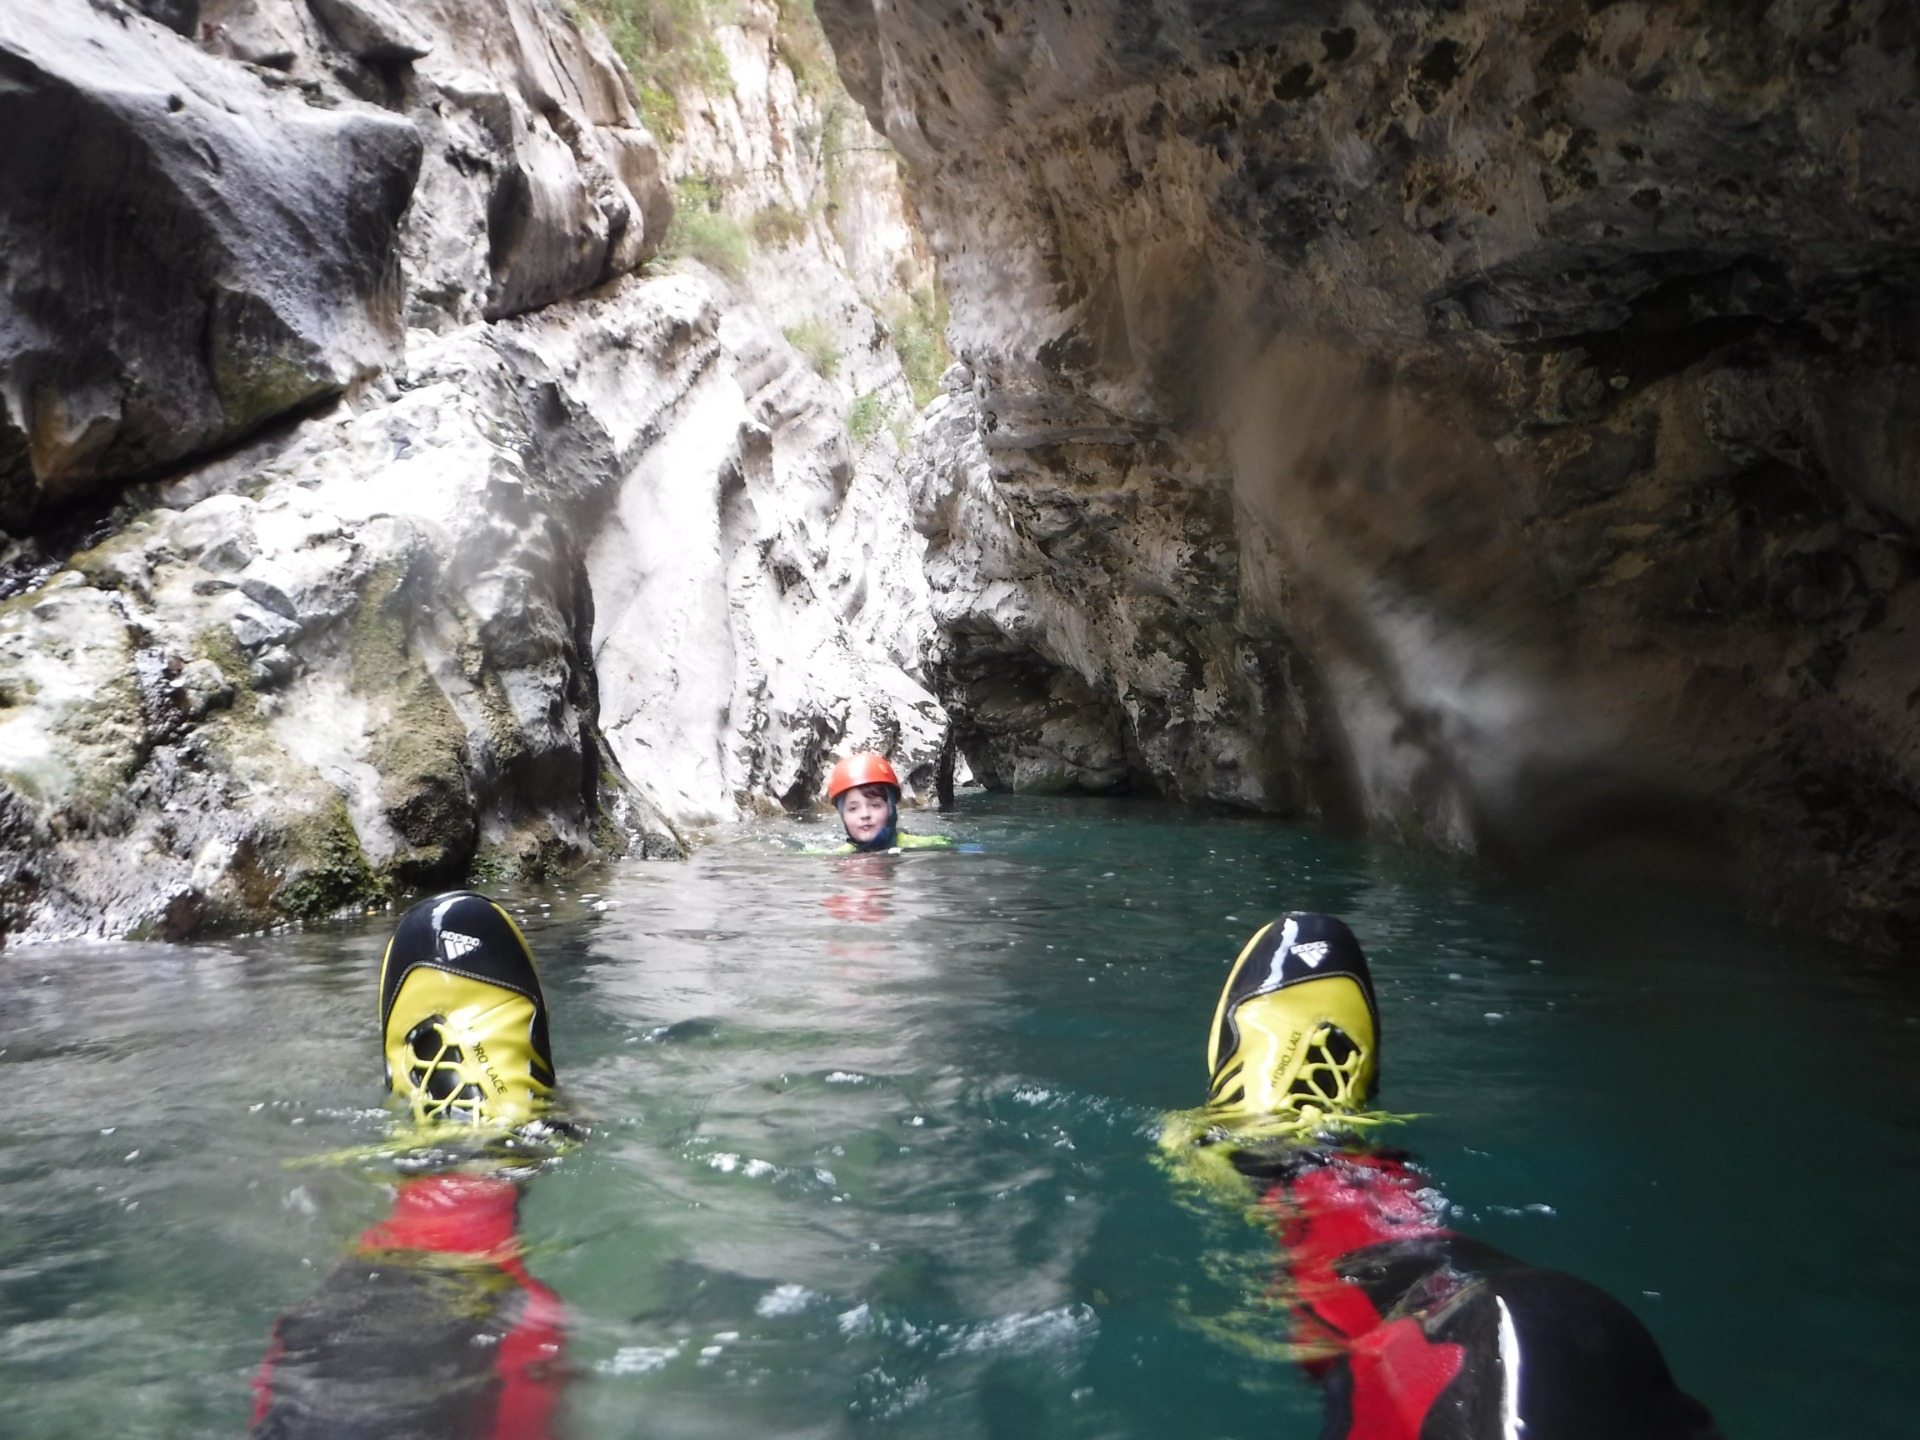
865,790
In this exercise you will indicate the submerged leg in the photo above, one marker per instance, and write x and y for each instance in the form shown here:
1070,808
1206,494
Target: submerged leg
1416,1333
432,1327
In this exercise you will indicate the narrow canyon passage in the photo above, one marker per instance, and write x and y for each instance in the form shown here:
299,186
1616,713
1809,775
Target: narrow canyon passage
1450,465
872,1145
1488,426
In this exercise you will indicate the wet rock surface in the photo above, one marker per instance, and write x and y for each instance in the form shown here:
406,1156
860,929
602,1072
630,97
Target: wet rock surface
1093,632
1511,403
202,237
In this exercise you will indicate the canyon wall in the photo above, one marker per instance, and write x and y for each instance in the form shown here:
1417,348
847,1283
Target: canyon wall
1484,424
1491,423
374,520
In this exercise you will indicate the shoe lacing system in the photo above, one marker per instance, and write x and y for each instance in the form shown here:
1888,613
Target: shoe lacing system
446,1083
1332,1076
1327,1097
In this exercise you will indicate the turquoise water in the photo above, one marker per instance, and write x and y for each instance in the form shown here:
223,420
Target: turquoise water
872,1148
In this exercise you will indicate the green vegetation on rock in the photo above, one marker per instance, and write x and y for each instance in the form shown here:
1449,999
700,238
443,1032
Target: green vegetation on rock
260,367
491,865
420,751
379,623
119,562
667,45
866,416
920,340
67,646
216,643
778,225
803,45
329,869
702,231
814,340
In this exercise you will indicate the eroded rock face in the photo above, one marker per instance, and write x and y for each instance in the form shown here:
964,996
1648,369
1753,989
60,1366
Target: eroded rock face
742,574
582,564
561,587
1536,382
776,541
542,153
186,249
354,671
1094,634
193,246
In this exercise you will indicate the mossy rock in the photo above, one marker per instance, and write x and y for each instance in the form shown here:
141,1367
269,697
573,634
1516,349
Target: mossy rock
505,738
491,866
422,758
421,751
119,562
530,851
261,368
66,672
326,867
216,643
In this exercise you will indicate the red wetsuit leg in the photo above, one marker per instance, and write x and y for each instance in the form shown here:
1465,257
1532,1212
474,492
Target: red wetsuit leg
449,1215
529,1364
343,1357
467,1215
1394,1373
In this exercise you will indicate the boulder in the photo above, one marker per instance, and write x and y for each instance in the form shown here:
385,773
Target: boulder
372,30
187,249
541,180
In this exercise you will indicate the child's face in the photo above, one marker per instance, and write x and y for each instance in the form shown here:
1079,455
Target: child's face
864,812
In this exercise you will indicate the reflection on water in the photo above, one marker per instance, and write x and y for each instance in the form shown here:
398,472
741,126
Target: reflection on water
871,1138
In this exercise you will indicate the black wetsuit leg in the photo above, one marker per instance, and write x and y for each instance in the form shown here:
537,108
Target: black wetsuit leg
431,1330
1419,1333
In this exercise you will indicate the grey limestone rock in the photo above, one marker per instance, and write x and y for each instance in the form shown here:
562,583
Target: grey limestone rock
542,181
566,593
260,32
372,30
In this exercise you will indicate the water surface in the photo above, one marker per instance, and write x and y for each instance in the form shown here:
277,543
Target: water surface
872,1148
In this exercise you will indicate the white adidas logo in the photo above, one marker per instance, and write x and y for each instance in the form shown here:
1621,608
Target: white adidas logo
453,944
1313,952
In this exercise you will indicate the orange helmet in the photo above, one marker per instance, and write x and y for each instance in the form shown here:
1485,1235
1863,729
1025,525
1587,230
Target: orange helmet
865,768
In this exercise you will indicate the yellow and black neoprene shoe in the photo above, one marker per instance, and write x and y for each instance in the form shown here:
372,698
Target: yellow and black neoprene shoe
1296,1033
463,1022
